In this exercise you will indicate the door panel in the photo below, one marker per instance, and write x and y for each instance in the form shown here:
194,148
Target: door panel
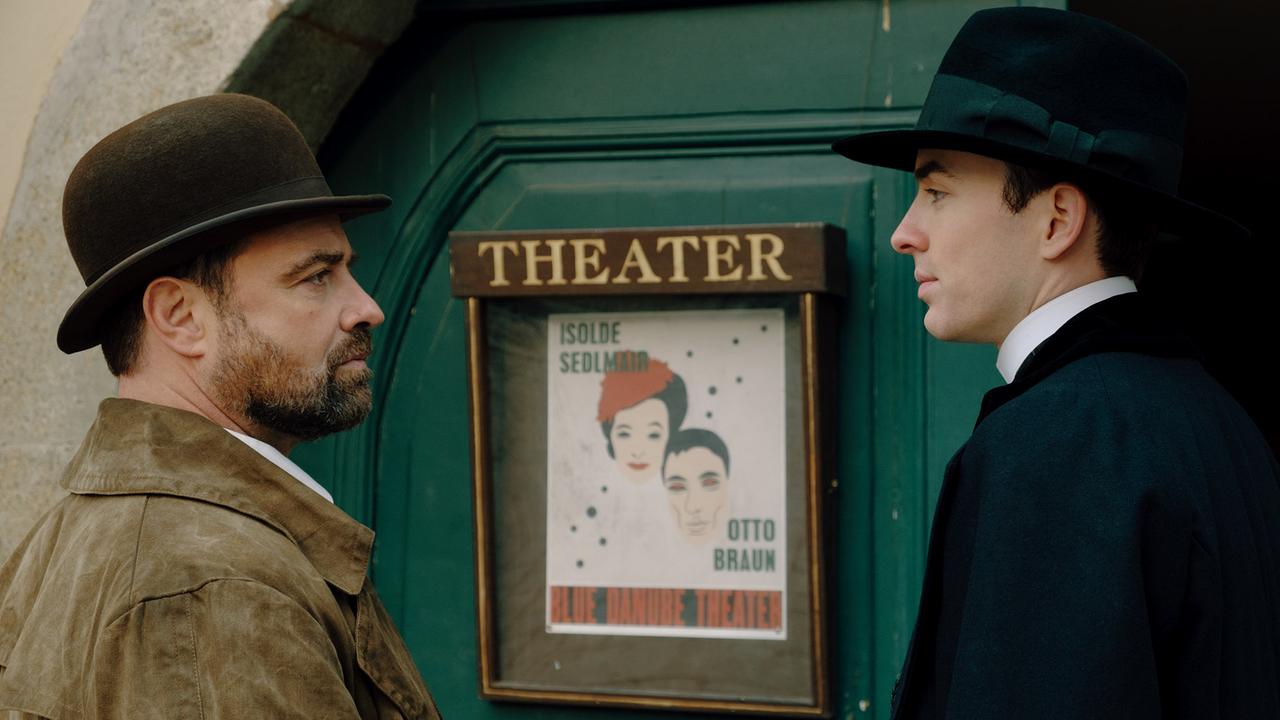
720,114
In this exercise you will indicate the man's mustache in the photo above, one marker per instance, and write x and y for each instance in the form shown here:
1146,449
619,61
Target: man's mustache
359,344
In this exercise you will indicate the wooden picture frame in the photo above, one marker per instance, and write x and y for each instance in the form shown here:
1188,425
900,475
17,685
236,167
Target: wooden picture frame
727,644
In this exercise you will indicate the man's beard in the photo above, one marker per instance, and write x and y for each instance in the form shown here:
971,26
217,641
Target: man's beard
256,377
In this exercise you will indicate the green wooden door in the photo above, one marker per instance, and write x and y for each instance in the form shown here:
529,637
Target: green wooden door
689,116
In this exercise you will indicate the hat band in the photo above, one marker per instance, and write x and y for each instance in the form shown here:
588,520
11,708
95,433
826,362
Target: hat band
967,107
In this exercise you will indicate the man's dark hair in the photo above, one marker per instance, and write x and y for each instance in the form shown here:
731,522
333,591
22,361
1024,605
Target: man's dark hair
1125,231
691,438
122,325
674,396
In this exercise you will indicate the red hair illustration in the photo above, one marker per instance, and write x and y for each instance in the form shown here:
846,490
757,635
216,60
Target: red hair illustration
640,378
621,389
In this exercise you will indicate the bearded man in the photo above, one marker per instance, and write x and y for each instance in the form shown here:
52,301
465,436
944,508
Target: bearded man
193,570
1107,542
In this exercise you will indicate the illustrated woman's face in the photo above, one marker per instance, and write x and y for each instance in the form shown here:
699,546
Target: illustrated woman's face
639,435
697,489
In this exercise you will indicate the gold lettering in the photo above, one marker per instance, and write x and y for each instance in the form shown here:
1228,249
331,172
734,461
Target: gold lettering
499,260
716,256
758,258
587,251
532,258
677,245
637,259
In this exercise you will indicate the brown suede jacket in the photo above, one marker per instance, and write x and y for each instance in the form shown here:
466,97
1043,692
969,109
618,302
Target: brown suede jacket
186,576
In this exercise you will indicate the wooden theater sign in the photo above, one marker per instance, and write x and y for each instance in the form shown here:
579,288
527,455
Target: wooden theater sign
708,260
648,462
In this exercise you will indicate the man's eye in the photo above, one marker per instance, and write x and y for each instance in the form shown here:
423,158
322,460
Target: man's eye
710,483
319,278
934,194
675,487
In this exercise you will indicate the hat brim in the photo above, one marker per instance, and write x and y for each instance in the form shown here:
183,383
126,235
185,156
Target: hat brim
897,149
81,325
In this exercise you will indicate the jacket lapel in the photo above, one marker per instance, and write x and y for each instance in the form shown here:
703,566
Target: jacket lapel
155,443
382,655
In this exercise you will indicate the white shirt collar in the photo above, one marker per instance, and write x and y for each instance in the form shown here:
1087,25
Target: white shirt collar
282,462
1050,317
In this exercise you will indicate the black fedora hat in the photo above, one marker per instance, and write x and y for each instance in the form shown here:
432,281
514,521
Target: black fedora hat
1061,91
148,196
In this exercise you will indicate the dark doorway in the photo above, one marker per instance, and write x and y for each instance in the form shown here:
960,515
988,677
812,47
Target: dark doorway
1224,292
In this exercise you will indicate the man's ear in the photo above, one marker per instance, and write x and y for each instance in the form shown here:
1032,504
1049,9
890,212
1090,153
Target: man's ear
1068,218
178,315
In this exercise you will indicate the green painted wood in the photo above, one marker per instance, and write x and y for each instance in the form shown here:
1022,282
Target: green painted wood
717,114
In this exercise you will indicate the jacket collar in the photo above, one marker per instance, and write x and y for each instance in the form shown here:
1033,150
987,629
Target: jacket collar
1047,319
1124,323
136,448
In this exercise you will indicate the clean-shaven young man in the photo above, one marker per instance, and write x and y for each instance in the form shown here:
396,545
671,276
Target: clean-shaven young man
1107,542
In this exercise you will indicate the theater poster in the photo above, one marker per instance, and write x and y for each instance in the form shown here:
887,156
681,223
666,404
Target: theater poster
666,474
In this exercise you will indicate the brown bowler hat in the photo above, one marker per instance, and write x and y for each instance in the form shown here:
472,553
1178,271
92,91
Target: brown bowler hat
146,196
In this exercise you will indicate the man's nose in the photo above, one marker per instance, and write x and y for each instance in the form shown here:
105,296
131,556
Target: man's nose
362,309
909,237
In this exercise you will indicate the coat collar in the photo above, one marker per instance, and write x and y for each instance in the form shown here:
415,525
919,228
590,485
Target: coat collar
136,448
1047,319
1124,323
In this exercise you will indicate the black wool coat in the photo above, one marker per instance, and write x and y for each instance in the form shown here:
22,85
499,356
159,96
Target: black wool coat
1105,545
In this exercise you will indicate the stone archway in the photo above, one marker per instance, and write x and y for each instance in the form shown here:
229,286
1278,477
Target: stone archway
313,56
129,57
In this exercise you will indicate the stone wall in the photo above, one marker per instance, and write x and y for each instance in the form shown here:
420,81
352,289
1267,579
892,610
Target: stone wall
33,34
129,57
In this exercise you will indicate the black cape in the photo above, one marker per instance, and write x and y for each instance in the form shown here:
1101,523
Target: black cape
1106,544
